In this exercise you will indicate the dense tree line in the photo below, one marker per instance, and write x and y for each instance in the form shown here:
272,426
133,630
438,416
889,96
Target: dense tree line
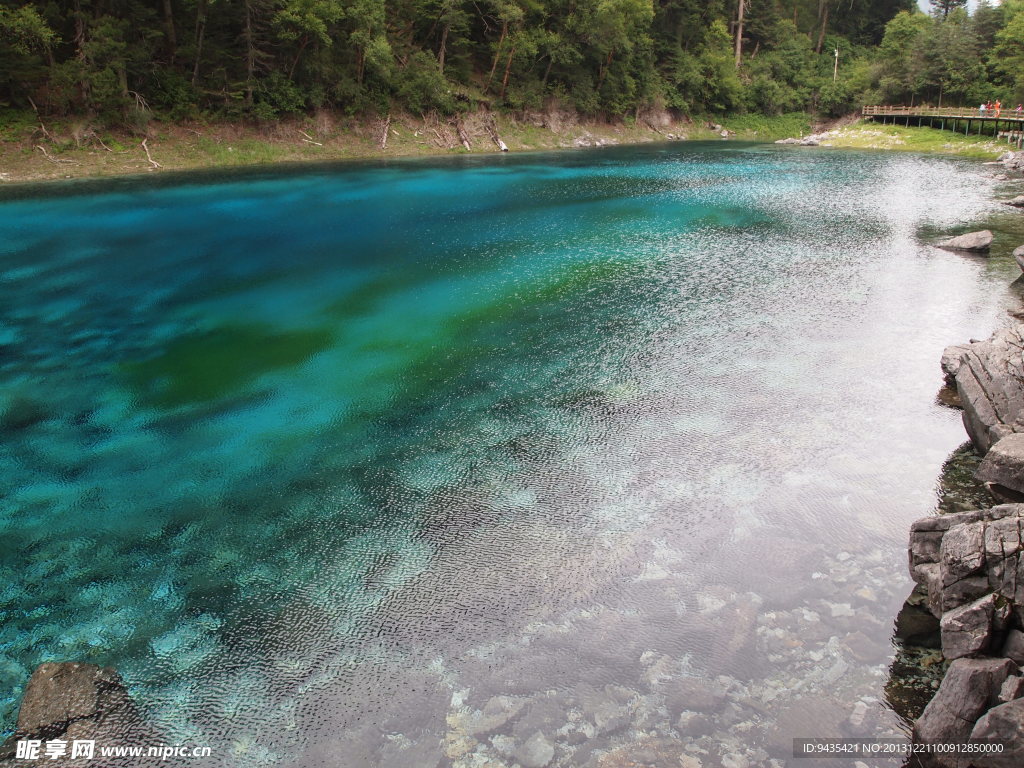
948,58
125,60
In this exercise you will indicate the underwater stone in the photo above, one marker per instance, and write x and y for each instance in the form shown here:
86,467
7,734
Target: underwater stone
19,413
59,692
535,752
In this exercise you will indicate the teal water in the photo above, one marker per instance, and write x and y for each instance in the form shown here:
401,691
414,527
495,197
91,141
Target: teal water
323,461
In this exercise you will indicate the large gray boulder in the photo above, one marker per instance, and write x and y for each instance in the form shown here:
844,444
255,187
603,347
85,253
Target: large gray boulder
1018,255
990,382
969,630
970,687
1003,465
1003,726
976,242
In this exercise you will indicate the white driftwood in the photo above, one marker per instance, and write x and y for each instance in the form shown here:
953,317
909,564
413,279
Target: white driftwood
52,159
149,157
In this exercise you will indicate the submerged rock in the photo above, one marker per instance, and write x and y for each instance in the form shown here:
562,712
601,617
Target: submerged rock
535,752
72,701
976,242
1018,256
61,693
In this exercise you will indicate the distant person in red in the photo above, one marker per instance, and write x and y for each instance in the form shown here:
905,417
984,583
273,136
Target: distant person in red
1019,109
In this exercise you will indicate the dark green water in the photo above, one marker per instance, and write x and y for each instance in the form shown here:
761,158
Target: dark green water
324,461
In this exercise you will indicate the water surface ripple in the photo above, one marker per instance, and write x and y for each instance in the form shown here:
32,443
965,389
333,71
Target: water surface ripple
582,459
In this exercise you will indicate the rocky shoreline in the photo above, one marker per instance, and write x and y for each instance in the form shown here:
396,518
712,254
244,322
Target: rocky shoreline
969,564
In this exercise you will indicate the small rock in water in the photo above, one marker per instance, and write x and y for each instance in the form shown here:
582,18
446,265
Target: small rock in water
975,242
1018,256
1017,202
860,711
535,752
841,610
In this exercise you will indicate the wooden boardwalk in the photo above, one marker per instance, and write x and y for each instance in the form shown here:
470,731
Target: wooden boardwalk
1008,123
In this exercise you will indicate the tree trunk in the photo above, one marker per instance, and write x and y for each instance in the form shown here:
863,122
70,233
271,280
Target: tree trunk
497,55
547,72
508,68
84,87
250,54
824,23
298,55
604,70
200,34
171,35
441,50
739,33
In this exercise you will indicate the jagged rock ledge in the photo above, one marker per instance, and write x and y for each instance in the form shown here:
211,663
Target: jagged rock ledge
970,565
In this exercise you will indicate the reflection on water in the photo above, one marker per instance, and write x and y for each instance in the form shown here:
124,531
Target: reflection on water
581,459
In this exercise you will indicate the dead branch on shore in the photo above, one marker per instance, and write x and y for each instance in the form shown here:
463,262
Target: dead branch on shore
492,128
53,159
385,127
149,156
46,133
309,139
463,137
654,128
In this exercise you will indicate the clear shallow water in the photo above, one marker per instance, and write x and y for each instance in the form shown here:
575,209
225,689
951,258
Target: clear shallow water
325,461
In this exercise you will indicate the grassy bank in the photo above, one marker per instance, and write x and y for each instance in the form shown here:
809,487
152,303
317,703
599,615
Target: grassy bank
35,151
869,135
31,150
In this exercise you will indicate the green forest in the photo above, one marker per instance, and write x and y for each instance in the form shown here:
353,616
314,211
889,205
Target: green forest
125,62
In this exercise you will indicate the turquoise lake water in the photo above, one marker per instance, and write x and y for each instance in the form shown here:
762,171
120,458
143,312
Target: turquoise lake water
411,462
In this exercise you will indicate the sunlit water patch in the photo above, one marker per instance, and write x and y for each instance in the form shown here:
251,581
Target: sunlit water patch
567,459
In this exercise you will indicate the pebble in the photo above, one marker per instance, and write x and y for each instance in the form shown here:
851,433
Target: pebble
841,610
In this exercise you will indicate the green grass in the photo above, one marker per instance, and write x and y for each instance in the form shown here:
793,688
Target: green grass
868,135
768,128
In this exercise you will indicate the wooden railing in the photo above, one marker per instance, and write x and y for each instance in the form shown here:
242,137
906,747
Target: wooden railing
925,111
